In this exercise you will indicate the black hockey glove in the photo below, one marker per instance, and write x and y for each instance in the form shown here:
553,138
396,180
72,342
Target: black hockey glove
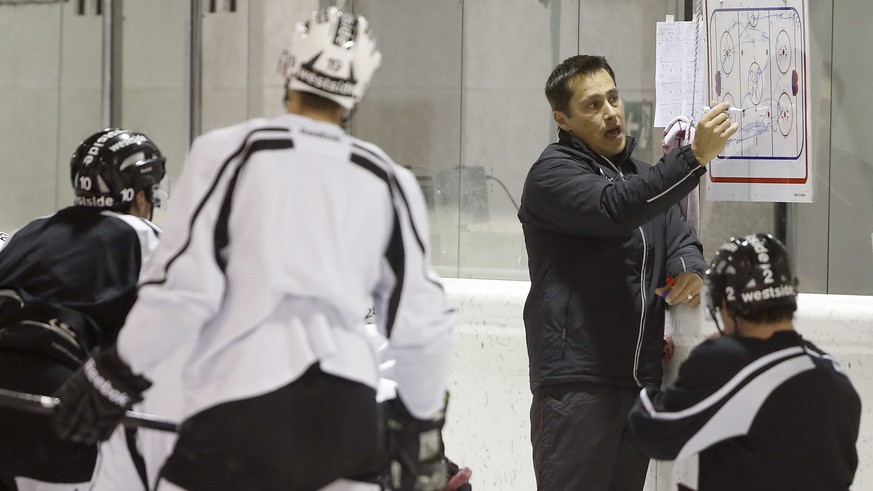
415,449
94,399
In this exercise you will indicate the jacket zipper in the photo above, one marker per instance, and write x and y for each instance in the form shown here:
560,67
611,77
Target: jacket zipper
614,167
642,328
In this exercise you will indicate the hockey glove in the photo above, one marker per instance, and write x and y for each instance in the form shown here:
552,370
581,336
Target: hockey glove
94,399
415,449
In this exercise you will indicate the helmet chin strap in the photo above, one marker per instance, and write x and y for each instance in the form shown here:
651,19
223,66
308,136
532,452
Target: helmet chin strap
347,117
713,312
736,325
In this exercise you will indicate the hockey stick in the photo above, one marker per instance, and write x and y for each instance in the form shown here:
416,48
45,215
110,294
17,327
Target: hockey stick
46,405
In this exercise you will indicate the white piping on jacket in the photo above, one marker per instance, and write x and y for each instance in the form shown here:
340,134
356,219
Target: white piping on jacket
642,310
680,181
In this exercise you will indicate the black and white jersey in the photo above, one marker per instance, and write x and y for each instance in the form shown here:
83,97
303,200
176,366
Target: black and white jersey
3,238
281,233
76,272
762,415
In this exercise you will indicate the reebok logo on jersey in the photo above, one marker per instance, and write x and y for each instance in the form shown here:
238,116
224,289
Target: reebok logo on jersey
319,134
105,386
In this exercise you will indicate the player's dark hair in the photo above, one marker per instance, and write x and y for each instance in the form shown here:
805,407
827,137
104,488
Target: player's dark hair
558,90
773,315
314,101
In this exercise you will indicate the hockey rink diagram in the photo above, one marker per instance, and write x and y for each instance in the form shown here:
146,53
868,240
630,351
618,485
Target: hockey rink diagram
756,61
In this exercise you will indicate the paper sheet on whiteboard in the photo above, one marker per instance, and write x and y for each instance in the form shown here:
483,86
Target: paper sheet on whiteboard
680,76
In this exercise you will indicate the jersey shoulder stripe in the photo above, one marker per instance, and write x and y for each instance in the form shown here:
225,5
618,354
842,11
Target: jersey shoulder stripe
372,152
222,225
738,413
366,156
246,142
743,377
371,166
395,252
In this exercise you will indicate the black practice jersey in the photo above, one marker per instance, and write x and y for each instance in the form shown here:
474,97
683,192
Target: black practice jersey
76,273
774,414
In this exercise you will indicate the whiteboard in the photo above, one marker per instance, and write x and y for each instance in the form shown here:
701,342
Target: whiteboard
757,61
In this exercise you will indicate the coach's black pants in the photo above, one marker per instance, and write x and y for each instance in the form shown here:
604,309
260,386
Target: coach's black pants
300,437
579,439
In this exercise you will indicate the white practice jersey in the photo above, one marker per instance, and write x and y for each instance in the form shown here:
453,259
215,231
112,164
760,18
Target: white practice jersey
116,466
281,233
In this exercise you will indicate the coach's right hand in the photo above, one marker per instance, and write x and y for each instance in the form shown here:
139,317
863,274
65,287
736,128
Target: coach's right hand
712,132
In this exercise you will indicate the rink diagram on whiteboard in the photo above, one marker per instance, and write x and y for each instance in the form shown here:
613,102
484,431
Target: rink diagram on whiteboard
756,62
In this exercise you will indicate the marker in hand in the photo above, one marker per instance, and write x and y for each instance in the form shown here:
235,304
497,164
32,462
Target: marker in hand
670,281
730,110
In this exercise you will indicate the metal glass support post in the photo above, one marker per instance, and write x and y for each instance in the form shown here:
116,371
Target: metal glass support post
194,74
111,77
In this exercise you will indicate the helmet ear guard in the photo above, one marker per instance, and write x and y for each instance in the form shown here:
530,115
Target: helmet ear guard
332,54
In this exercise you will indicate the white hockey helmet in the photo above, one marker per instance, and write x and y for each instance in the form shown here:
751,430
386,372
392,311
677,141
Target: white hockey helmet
332,54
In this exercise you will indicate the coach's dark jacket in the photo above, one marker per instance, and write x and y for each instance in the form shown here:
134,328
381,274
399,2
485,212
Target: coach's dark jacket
600,237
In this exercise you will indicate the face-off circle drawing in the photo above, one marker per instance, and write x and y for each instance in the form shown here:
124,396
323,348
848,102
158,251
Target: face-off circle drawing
785,114
784,51
726,49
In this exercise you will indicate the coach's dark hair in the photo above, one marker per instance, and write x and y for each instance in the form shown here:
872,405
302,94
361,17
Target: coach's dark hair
558,90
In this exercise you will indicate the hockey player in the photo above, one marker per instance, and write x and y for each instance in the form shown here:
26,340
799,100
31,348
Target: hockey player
764,408
123,461
284,231
67,282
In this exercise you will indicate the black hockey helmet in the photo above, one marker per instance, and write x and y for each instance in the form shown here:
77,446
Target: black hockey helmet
751,274
110,166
